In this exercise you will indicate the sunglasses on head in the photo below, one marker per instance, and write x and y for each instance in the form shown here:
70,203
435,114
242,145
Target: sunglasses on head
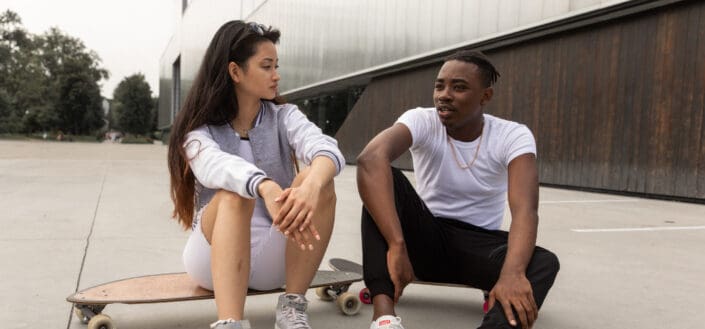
257,28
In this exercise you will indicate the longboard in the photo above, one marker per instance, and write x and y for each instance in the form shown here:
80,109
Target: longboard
175,287
346,266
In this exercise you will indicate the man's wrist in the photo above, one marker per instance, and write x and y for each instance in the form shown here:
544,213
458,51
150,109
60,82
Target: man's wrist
512,272
398,244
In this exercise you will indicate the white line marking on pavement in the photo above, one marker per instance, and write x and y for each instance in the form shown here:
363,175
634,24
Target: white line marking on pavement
588,201
636,229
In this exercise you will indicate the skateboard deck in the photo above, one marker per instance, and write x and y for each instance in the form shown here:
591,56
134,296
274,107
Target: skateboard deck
347,266
175,287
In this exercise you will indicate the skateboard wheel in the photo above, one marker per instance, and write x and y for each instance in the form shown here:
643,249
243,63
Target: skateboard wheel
349,303
365,296
101,321
322,293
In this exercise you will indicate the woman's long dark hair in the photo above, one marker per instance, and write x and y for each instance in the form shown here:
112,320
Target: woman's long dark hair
211,100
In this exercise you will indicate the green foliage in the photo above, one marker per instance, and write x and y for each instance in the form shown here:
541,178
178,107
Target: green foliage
48,82
133,105
17,69
74,74
79,103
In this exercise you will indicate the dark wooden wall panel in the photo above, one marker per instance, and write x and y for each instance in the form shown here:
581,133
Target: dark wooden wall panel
699,105
617,105
382,102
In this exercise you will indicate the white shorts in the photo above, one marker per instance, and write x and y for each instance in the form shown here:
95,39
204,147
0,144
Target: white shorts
267,256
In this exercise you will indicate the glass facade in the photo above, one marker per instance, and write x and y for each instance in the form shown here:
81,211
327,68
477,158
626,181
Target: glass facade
330,110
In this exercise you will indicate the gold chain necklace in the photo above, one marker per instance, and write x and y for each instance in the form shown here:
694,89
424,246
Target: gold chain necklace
477,151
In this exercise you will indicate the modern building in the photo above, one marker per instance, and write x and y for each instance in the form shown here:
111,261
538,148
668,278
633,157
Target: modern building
612,89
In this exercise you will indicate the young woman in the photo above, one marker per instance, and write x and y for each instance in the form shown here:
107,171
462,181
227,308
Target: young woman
257,222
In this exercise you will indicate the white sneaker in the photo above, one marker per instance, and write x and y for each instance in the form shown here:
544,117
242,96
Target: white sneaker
387,322
231,324
291,312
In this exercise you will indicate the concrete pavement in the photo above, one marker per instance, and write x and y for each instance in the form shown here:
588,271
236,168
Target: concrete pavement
79,214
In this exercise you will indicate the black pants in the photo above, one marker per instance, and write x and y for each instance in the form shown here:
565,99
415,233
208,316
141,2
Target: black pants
447,250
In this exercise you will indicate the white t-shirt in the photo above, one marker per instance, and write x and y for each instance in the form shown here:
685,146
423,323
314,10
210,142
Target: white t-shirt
475,195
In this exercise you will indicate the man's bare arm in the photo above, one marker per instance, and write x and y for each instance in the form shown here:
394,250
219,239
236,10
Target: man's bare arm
513,289
375,185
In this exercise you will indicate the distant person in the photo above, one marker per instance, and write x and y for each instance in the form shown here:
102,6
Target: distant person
233,155
467,164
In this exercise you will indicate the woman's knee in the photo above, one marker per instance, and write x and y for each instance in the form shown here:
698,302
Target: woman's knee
223,200
228,198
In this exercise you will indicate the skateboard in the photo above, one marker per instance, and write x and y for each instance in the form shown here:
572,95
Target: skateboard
345,265
175,287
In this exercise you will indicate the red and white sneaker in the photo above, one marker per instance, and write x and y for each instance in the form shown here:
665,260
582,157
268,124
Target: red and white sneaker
387,322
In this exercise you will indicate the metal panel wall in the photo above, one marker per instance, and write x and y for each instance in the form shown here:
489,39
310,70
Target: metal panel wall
171,53
329,39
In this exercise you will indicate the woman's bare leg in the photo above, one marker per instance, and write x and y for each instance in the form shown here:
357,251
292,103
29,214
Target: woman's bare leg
226,226
301,265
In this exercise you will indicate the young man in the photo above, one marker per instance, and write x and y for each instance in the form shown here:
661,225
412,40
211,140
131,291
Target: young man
467,164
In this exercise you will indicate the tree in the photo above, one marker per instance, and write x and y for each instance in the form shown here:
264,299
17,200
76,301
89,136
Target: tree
8,119
79,105
22,82
73,74
47,81
132,101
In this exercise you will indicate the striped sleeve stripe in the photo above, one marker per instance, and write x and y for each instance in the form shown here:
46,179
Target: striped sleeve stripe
253,182
338,165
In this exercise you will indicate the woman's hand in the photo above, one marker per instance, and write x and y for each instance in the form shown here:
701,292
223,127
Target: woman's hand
273,196
294,219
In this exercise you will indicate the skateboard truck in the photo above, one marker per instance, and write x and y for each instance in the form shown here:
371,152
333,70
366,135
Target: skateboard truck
90,315
86,312
347,302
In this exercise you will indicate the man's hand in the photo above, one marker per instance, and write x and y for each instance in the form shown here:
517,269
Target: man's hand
514,291
400,269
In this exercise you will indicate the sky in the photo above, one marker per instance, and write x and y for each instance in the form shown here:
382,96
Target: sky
128,35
